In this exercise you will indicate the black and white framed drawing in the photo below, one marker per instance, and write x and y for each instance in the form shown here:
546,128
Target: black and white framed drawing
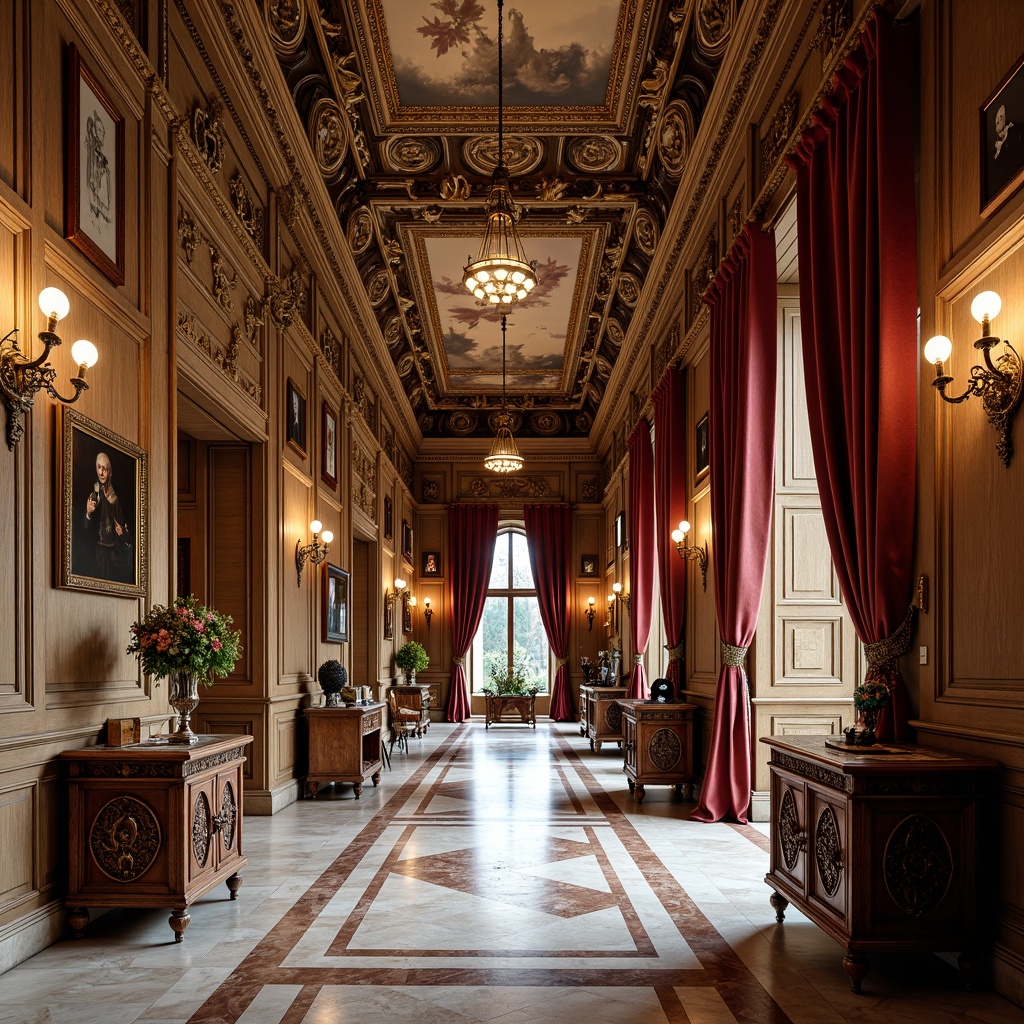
1002,139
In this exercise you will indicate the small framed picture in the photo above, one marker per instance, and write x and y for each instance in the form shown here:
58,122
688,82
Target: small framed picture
431,563
406,615
295,426
389,625
389,519
329,447
620,530
406,541
94,199
1002,139
334,604
104,485
701,458
588,565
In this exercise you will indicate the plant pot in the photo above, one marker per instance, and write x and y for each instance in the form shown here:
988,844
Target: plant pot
184,698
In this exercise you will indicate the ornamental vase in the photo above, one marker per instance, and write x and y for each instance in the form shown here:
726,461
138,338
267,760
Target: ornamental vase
183,697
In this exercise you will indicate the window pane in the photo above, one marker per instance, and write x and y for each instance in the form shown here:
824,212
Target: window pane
530,642
494,628
499,567
522,575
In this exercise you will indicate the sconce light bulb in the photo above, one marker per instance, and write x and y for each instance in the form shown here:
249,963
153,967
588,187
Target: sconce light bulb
84,353
986,304
685,527
412,600
938,349
611,598
617,588
677,536
327,536
399,584
54,303
426,602
590,601
316,526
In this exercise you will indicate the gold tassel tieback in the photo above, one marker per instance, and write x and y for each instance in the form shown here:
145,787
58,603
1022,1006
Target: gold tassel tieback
733,656
883,652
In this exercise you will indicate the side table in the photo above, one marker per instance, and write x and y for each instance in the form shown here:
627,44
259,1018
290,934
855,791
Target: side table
657,745
153,825
604,715
524,705
344,745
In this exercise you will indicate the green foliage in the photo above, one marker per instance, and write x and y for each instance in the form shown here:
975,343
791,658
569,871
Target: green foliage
870,694
508,682
185,637
412,657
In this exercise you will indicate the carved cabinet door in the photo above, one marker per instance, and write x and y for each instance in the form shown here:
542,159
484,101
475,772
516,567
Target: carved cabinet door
789,831
827,822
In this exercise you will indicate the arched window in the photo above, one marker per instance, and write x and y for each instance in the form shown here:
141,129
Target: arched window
511,631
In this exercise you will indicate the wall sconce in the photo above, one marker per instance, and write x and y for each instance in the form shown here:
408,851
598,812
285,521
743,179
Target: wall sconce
590,613
21,377
401,594
618,595
315,551
691,553
428,612
998,384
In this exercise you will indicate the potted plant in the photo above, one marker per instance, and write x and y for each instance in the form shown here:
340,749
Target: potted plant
411,657
868,699
510,682
333,677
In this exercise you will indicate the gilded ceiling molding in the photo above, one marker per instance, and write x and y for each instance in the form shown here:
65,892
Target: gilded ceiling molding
287,297
191,329
327,137
713,25
286,23
523,154
702,273
207,133
330,349
675,137
517,487
348,86
832,29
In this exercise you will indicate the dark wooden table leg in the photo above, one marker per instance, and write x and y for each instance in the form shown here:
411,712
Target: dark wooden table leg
856,966
779,904
638,793
313,789
375,778
234,883
179,921
358,789
78,918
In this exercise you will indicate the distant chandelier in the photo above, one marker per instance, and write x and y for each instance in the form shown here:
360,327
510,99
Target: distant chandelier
501,273
504,456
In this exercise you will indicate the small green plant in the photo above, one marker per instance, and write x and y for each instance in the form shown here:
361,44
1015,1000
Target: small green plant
871,695
509,682
412,657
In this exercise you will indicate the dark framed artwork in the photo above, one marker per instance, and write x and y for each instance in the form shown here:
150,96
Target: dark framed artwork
406,541
620,530
295,424
389,519
334,604
406,615
588,565
389,624
94,197
701,457
1002,139
329,447
431,563
104,501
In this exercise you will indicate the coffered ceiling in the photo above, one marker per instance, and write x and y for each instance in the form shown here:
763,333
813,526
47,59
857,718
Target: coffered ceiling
602,101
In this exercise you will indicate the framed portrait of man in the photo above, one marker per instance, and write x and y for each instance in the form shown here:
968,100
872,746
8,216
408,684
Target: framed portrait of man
334,604
295,418
329,447
104,487
431,563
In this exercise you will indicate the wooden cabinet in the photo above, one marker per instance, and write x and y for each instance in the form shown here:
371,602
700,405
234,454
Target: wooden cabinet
657,741
522,704
153,825
603,715
880,850
415,696
345,745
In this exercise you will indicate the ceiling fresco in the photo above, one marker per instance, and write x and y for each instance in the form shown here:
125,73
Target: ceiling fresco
602,102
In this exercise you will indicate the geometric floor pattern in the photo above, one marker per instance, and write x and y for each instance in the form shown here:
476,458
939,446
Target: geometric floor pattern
500,875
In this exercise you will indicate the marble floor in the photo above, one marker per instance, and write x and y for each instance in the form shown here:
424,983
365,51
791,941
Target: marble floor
501,876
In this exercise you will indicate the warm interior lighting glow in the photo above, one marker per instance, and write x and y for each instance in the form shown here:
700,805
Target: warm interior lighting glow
55,306
986,306
84,353
938,349
504,456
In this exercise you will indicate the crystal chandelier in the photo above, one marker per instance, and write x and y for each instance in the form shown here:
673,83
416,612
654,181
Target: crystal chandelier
501,274
504,456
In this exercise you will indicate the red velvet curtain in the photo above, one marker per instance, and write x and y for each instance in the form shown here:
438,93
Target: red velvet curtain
858,310
472,531
742,451
549,541
670,505
641,552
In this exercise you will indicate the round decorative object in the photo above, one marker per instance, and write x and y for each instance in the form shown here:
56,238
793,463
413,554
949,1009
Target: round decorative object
645,231
461,423
286,23
514,420
201,829
917,865
629,288
828,851
593,153
665,750
675,137
523,153
124,839
412,154
789,830
393,333
378,286
713,24
583,422
228,816
614,333
546,422
360,230
327,135
406,364
613,717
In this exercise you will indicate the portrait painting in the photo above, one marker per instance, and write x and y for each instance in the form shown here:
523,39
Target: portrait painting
104,509
406,541
406,615
329,447
389,625
588,565
334,604
431,563
295,423
702,456
389,519
94,199
1002,140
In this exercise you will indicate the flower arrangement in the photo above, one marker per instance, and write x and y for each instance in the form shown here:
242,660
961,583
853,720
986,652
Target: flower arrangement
509,682
412,657
871,695
185,637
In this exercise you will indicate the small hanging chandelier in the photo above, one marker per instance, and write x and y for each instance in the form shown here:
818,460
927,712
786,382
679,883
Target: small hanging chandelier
504,456
501,274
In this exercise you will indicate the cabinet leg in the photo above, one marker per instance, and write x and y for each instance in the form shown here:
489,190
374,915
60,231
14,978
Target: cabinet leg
78,918
631,784
314,788
596,745
779,904
970,967
375,778
638,794
591,744
856,966
233,884
359,789
179,921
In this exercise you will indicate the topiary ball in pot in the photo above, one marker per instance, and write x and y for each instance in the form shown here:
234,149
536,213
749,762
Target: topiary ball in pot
332,677
410,658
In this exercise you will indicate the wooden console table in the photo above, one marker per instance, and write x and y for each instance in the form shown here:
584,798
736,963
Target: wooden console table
525,705
657,744
603,715
345,745
153,825
881,851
